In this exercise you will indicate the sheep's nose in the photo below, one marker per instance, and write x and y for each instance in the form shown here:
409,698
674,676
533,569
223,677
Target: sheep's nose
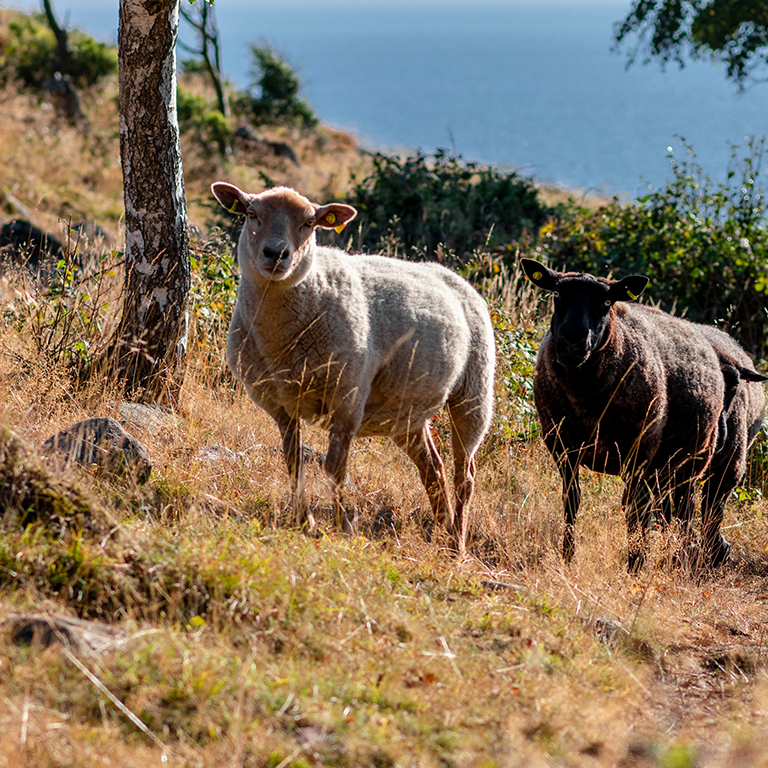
574,339
272,253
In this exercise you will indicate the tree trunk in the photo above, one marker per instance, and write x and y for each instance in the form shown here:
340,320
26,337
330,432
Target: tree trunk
61,59
150,345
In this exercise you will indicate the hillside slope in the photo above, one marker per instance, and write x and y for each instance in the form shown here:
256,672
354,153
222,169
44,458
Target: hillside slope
236,641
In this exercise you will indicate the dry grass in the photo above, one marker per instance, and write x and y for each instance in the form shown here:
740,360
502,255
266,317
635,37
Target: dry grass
253,645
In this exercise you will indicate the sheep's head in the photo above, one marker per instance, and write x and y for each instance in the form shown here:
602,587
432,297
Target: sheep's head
279,228
583,308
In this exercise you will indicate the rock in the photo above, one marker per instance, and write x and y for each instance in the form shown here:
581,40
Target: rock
502,586
24,244
250,137
151,417
281,149
214,453
31,491
103,442
248,133
42,630
13,205
615,635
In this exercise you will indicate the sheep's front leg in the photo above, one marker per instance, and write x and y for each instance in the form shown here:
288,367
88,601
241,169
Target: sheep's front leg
636,501
569,471
290,431
679,502
336,468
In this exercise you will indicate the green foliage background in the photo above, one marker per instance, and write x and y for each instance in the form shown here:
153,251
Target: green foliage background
28,54
440,207
704,245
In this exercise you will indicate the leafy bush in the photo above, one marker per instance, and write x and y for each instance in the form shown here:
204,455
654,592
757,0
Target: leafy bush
207,123
703,245
273,96
70,321
29,52
212,298
440,207
515,413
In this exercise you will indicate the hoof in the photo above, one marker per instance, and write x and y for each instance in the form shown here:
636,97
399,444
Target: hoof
306,523
635,561
457,543
457,547
349,525
719,553
568,547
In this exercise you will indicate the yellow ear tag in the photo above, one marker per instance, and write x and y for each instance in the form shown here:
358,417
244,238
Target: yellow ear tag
631,295
340,228
537,275
233,207
330,217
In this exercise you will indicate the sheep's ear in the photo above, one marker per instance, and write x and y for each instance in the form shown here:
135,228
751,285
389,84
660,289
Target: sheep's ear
231,197
628,289
541,276
334,216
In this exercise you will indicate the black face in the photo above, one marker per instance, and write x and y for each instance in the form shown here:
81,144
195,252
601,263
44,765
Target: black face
580,321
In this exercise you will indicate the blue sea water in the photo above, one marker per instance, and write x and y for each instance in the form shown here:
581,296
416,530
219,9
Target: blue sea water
530,85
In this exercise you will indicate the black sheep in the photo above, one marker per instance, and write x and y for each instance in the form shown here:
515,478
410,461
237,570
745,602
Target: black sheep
630,390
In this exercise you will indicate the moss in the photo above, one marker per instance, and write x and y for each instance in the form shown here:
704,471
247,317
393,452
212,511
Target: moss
32,492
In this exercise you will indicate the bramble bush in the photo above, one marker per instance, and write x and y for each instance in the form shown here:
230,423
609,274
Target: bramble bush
703,245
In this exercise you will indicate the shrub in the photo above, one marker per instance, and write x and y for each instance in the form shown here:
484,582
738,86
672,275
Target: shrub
440,207
205,122
703,245
29,52
212,299
69,321
273,96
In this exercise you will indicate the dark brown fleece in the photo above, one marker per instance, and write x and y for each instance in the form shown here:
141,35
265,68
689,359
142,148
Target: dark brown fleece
650,397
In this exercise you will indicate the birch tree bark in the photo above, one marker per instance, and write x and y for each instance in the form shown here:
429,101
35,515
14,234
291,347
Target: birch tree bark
150,344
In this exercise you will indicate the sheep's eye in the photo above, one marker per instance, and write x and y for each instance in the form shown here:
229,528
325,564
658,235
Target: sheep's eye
608,303
252,215
556,294
309,223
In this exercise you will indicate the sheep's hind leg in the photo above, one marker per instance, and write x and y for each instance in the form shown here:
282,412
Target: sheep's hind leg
421,449
336,468
718,486
715,547
468,427
292,450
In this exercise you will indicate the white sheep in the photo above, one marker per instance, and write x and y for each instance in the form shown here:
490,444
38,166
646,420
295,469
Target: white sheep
364,345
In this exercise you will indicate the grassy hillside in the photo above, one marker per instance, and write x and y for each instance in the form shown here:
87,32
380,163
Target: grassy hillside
242,643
